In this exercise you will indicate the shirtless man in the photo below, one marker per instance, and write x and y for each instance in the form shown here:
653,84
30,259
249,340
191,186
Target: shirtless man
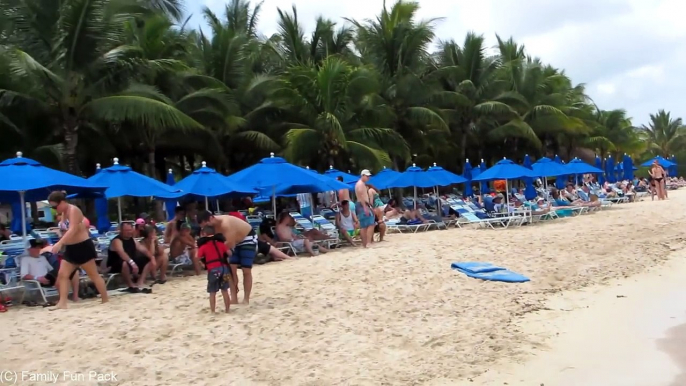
284,231
344,195
79,250
363,208
182,249
241,240
173,225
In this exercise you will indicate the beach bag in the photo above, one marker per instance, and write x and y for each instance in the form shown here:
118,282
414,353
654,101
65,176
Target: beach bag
224,259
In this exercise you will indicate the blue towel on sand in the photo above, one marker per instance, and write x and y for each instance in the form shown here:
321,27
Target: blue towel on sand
488,271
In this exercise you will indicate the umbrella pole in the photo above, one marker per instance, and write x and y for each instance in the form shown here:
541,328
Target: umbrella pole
119,208
23,219
274,201
218,206
415,198
207,204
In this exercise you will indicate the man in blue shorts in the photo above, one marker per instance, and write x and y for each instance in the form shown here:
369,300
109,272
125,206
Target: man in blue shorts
363,208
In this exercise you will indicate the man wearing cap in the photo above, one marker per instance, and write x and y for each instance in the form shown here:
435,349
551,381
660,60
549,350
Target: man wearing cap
363,208
38,266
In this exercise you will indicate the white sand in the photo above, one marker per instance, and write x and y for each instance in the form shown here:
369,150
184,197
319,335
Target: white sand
394,314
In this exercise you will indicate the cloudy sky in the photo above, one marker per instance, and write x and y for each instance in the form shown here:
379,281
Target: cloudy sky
631,54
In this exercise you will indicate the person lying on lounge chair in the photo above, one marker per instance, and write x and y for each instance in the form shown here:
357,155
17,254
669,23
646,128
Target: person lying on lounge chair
285,232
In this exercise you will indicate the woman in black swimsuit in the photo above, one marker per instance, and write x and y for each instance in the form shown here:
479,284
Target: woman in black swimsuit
79,250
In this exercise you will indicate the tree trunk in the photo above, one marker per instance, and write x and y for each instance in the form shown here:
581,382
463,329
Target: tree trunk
71,140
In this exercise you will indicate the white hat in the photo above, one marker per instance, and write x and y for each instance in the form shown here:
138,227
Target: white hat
365,172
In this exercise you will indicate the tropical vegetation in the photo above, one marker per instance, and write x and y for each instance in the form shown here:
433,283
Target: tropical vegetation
84,81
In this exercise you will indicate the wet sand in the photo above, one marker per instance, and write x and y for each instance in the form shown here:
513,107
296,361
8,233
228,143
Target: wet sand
629,333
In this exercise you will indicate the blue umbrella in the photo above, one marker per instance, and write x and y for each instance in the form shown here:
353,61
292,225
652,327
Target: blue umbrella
545,167
23,179
280,176
599,165
530,191
628,167
484,184
561,179
101,210
505,170
673,169
467,174
577,166
610,167
444,176
382,178
335,173
415,177
665,163
170,205
123,181
206,182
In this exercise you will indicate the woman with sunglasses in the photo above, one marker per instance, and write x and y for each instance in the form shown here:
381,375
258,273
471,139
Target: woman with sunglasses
79,250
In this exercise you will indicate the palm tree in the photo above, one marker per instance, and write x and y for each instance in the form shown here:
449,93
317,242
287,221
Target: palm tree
72,59
333,106
664,135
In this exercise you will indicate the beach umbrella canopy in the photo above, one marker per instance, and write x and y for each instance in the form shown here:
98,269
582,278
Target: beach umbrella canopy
170,205
610,169
545,167
467,174
101,210
123,181
529,191
414,176
561,179
673,171
35,181
628,165
23,179
347,178
505,170
206,182
664,162
599,165
444,176
280,176
382,178
577,166
484,183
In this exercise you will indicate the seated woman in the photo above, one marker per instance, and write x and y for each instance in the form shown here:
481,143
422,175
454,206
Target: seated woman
152,245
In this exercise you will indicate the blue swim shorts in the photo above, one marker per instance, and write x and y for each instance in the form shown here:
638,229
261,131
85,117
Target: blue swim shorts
366,220
244,255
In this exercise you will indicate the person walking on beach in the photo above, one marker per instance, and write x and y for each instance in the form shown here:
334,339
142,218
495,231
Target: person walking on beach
241,241
79,250
363,208
658,175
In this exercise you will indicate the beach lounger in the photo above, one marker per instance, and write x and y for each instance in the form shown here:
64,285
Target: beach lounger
396,226
307,225
9,281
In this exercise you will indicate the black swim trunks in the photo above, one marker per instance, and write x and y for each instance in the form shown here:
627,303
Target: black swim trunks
263,248
80,253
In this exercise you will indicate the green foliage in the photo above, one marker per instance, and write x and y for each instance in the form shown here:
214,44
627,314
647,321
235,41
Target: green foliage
129,78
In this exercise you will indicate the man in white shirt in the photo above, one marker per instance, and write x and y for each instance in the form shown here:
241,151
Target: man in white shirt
36,267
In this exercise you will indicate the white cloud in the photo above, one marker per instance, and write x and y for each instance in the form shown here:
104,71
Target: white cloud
630,53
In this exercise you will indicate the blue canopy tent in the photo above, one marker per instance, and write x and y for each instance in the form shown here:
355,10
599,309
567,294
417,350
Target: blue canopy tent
444,176
415,177
545,167
382,178
578,166
467,174
23,179
276,174
123,181
529,191
561,179
206,183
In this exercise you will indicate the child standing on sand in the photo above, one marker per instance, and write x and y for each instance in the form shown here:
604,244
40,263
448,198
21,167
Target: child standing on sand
213,253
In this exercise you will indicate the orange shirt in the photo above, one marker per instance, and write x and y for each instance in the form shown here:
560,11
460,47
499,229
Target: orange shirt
499,185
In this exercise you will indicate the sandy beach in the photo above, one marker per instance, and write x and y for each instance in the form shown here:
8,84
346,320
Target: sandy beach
393,314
